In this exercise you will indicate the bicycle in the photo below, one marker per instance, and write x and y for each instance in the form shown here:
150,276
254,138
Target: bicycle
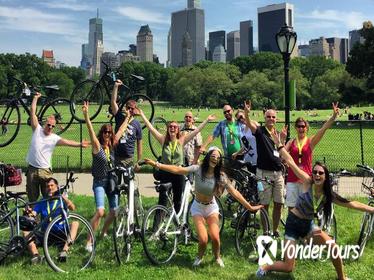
95,92
57,235
249,225
10,115
367,187
129,215
160,124
162,226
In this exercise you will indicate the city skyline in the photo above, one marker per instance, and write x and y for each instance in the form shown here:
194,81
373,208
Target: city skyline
62,26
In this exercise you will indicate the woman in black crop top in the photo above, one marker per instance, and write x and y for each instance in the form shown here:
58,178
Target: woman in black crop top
317,193
204,209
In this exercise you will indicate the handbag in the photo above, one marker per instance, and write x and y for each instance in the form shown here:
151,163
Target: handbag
112,183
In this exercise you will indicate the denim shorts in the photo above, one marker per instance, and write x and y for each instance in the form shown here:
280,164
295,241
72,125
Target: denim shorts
99,192
297,228
199,209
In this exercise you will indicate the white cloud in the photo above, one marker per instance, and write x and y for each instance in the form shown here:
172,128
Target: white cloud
71,5
32,20
350,20
142,15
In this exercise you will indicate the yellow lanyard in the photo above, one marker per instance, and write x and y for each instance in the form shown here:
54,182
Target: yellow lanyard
107,155
49,209
275,147
300,146
173,147
315,205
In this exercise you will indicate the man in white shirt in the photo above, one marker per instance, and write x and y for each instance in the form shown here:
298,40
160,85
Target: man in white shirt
42,144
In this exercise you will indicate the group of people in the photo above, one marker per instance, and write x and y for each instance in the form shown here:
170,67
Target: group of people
306,186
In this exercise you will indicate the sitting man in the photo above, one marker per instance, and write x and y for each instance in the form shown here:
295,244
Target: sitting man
44,208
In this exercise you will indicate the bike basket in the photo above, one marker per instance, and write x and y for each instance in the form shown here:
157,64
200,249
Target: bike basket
11,176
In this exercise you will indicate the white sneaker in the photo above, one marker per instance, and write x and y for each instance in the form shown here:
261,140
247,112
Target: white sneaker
219,261
197,262
89,248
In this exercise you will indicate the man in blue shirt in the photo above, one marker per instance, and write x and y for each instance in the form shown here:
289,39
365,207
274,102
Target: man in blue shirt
44,208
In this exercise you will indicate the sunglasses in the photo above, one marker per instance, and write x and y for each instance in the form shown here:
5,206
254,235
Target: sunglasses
173,126
315,172
187,117
130,108
301,126
107,132
271,117
50,125
227,111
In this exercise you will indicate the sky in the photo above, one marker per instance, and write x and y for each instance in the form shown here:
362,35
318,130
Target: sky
62,25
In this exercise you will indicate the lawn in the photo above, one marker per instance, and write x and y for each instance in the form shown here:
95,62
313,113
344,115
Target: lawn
105,266
340,148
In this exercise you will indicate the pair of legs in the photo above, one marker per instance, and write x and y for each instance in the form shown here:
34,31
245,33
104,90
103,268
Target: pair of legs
73,234
288,264
212,222
36,182
206,215
99,192
275,192
178,183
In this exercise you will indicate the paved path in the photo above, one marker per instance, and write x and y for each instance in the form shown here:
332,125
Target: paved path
348,186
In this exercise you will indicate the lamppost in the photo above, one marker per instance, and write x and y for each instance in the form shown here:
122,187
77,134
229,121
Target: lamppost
286,41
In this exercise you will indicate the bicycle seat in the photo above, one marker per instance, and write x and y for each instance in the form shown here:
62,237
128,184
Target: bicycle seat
163,187
52,87
15,194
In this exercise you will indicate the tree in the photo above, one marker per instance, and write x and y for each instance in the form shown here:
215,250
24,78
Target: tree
361,61
65,84
259,62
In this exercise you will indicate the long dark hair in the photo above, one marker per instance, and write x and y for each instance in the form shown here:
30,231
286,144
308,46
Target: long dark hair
218,174
100,135
327,190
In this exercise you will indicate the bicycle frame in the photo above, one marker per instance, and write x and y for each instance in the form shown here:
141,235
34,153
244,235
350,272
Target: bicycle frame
182,211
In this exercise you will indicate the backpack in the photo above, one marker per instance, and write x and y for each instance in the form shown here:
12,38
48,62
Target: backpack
12,176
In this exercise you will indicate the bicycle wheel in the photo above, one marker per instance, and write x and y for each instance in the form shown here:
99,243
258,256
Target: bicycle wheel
364,232
90,91
9,203
59,108
73,231
10,119
161,125
191,225
6,232
144,103
250,225
159,235
120,238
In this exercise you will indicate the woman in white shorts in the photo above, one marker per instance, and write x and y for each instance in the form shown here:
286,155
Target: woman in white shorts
210,181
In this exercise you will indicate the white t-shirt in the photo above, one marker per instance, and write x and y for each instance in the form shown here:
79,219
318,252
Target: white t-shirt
251,155
41,148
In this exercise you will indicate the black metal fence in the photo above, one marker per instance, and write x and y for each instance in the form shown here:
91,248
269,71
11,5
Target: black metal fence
344,145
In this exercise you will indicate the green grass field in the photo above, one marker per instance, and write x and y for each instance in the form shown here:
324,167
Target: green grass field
340,147
105,266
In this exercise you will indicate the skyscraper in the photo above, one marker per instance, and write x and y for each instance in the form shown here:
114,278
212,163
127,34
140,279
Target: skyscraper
144,42
186,50
270,19
355,37
233,45
219,54
95,43
189,20
216,38
246,37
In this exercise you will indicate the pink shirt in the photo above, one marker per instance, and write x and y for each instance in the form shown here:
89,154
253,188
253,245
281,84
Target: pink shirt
306,159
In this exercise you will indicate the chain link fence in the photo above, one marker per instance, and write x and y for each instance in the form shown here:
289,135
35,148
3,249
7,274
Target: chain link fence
344,145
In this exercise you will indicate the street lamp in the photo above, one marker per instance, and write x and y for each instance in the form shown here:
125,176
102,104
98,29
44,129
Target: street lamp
286,41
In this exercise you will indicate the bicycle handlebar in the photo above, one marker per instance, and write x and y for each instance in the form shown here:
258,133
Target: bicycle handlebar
366,167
